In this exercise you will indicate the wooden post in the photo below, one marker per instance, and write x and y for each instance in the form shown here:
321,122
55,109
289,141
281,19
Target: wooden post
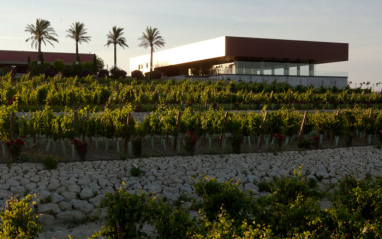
221,135
261,135
74,123
302,127
177,126
270,98
126,139
83,129
370,113
11,126
337,113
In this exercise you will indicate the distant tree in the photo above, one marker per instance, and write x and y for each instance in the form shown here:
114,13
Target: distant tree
95,64
59,65
152,39
115,37
77,31
100,63
41,32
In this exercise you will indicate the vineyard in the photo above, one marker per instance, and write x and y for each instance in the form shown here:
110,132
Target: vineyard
32,93
167,130
71,116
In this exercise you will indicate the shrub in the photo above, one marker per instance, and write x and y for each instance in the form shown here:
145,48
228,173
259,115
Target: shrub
76,69
169,222
103,73
49,72
227,195
86,73
5,70
59,65
2,72
224,227
305,144
50,162
122,73
66,72
135,171
88,65
292,208
357,208
126,214
18,220
155,75
137,75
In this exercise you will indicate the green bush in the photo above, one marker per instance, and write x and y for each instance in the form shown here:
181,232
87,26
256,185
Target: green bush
227,195
50,162
88,65
126,214
76,69
305,144
2,72
18,220
137,74
155,75
224,227
59,65
135,171
357,208
169,222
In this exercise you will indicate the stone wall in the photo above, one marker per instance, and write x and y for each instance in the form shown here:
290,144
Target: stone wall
74,190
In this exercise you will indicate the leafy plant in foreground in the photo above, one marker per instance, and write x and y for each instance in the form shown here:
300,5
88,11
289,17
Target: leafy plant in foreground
18,220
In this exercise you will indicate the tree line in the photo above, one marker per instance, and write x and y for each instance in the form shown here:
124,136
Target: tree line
43,32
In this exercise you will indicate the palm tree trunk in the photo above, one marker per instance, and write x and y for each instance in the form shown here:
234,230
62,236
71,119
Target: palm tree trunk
115,55
151,60
77,56
39,52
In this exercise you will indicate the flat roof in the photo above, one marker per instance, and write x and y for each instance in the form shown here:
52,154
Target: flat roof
254,49
21,57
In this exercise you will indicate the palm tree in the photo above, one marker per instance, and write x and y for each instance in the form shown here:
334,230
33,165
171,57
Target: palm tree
77,31
152,39
115,37
42,32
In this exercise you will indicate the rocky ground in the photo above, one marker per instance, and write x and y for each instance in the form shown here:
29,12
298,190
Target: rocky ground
73,191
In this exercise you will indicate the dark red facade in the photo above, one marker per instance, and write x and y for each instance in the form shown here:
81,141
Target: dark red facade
254,49
19,59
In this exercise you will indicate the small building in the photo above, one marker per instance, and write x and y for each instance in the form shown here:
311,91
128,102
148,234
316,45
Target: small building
19,59
251,59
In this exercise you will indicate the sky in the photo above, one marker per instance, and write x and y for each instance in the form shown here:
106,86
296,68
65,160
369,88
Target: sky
180,22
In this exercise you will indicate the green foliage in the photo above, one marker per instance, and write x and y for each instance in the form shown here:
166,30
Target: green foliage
154,75
137,74
135,171
305,143
292,207
227,195
59,65
88,65
169,222
76,69
50,162
357,207
18,220
47,199
126,214
226,227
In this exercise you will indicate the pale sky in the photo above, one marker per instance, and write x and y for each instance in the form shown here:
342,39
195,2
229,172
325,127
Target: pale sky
180,22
